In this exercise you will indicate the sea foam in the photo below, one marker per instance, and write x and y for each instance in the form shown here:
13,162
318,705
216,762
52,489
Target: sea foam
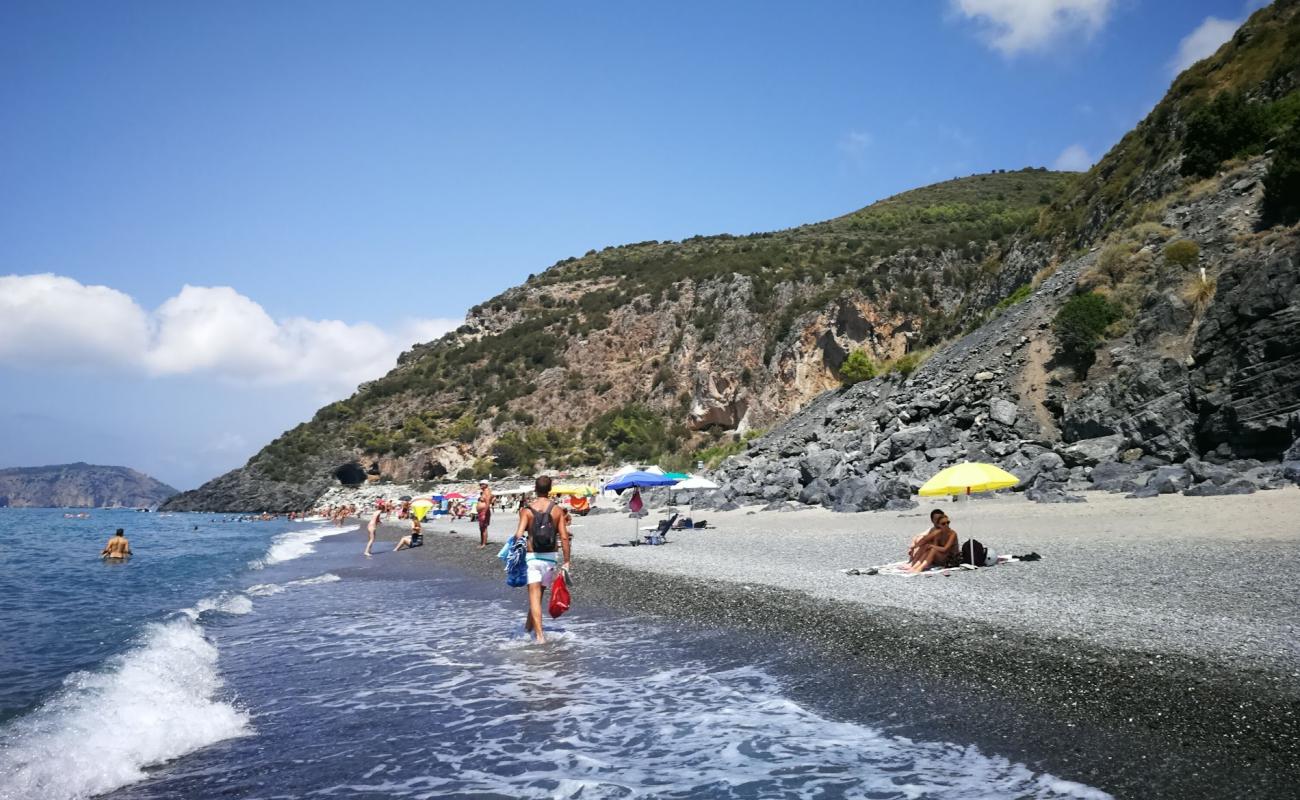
296,544
151,704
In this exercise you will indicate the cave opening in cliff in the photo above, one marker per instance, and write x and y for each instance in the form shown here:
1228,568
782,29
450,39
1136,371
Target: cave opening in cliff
350,474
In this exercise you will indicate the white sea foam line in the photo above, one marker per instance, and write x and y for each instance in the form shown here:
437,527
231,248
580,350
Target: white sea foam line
226,603
296,544
684,728
154,703
268,589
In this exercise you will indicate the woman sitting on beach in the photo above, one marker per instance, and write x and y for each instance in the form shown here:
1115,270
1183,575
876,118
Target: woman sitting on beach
936,547
416,538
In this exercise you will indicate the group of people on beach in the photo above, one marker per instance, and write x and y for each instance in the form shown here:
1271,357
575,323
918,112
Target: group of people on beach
543,525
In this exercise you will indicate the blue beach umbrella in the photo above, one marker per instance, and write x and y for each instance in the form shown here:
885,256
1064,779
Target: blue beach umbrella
638,480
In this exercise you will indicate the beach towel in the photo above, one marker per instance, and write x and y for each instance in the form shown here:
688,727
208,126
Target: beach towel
900,569
516,564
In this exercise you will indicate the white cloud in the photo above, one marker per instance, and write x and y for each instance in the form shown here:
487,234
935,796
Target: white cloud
54,322
1018,26
1073,159
1203,41
854,144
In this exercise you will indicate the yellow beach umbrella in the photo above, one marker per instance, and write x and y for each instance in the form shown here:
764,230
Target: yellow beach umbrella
967,478
574,489
421,507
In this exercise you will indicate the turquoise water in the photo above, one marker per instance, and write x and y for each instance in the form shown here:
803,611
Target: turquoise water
255,660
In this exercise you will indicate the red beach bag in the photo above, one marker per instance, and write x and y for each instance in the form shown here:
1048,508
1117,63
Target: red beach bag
560,599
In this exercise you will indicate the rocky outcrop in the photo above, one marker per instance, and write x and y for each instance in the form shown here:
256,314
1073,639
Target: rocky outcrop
80,485
1245,381
1177,403
250,489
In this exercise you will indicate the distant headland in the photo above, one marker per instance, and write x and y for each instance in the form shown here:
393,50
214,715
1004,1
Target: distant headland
80,485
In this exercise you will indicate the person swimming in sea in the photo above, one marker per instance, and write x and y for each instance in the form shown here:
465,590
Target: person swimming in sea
117,549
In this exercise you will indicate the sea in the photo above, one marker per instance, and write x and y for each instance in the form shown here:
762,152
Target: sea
264,659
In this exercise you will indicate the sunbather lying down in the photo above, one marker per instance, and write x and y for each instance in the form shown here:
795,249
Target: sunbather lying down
936,547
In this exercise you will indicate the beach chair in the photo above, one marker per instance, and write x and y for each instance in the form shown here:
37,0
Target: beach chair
659,534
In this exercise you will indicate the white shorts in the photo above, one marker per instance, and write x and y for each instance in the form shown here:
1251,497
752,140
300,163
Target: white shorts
542,568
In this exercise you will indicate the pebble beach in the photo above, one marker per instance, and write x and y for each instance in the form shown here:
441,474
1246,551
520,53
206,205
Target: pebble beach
1163,628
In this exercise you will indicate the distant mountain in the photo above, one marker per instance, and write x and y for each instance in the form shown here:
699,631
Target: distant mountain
80,485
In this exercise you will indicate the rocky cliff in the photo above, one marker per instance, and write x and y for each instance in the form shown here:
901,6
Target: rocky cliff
1180,398
1130,329
659,350
80,486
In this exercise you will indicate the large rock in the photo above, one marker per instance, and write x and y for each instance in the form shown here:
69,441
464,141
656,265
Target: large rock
1170,479
817,465
815,493
1146,403
1003,411
856,494
1247,357
1090,452
1207,489
1111,476
907,439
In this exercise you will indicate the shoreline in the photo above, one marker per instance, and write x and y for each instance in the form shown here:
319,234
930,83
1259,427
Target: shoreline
1114,715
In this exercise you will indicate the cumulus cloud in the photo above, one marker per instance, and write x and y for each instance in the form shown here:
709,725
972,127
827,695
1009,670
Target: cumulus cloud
1017,26
1073,159
55,322
1203,41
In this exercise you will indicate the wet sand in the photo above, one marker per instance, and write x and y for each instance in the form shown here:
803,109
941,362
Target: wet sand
1152,652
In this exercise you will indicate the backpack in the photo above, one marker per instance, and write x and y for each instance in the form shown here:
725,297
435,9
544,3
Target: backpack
973,552
542,529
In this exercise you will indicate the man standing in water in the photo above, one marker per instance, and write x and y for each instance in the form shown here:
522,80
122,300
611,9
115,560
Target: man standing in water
117,549
372,527
546,527
484,512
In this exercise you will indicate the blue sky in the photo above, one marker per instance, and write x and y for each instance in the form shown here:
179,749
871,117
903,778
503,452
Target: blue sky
334,181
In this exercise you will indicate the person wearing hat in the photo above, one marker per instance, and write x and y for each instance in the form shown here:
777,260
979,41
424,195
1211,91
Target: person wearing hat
484,511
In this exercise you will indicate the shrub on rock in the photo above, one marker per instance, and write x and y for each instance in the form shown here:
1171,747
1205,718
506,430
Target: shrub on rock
1183,252
857,367
1080,323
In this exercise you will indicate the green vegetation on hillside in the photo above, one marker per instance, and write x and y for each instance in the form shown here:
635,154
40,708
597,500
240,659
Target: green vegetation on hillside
1233,103
457,385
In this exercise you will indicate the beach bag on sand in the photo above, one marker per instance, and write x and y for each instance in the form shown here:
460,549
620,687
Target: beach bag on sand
560,600
517,564
974,552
